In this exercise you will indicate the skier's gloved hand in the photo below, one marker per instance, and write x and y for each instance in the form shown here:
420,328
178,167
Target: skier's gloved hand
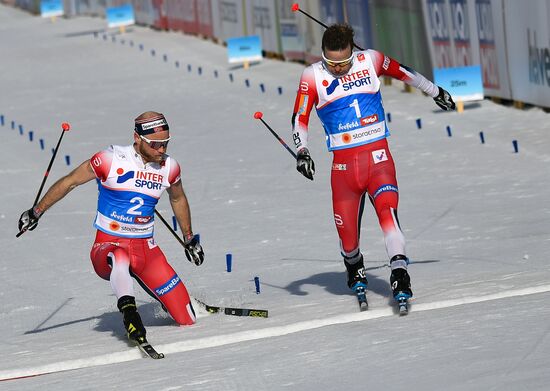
304,164
29,219
444,100
193,249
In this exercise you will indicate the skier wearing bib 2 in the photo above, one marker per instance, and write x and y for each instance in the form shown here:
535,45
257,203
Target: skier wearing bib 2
131,180
344,88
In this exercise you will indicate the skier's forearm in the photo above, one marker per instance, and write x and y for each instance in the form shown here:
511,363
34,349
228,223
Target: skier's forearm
55,193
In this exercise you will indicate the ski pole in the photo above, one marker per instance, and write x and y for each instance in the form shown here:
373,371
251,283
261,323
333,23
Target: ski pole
259,115
170,228
296,7
65,126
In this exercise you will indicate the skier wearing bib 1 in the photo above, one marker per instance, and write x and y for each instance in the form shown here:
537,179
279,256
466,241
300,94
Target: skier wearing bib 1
344,88
131,180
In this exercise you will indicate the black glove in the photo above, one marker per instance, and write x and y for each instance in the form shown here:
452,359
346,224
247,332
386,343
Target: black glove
29,219
304,164
193,250
444,100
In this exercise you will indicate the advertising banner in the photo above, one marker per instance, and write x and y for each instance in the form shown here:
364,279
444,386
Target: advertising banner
464,41
291,31
439,33
244,49
146,13
469,32
120,16
51,8
463,83
261,19
492,47
182,15
205,21
527,37
231,22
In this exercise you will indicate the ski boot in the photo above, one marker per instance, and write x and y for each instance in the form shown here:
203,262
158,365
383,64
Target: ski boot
400,282
132,321
357,281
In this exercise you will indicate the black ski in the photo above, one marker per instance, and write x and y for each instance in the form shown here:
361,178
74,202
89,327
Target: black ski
235,311
146,348
361,293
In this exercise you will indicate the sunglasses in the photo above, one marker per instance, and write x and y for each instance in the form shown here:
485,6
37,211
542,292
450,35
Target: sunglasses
156,144
342,63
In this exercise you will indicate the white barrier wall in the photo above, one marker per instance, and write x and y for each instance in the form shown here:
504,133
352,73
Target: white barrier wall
229,16
528,42
261,20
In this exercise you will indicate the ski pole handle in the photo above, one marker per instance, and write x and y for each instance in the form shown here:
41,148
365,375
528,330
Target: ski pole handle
259,115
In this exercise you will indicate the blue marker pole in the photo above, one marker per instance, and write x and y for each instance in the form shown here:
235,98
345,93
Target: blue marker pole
13,124
21,129
280,90
188,67
31,134
389,117
2,120
174,223
482,137
228,260
419,123
516,147
257,283
41,141
141,46
262,87
199,70
247,82
177,64
68,160
449,131
153,52
231,77
165,57
216,74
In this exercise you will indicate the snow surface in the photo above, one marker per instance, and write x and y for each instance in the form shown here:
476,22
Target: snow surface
476,217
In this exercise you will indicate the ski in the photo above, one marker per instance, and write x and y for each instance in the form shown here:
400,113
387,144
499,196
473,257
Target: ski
362,298
150,351
255,313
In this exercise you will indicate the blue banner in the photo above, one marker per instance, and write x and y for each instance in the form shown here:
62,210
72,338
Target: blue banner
463,83
51,8
244,49
120,16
